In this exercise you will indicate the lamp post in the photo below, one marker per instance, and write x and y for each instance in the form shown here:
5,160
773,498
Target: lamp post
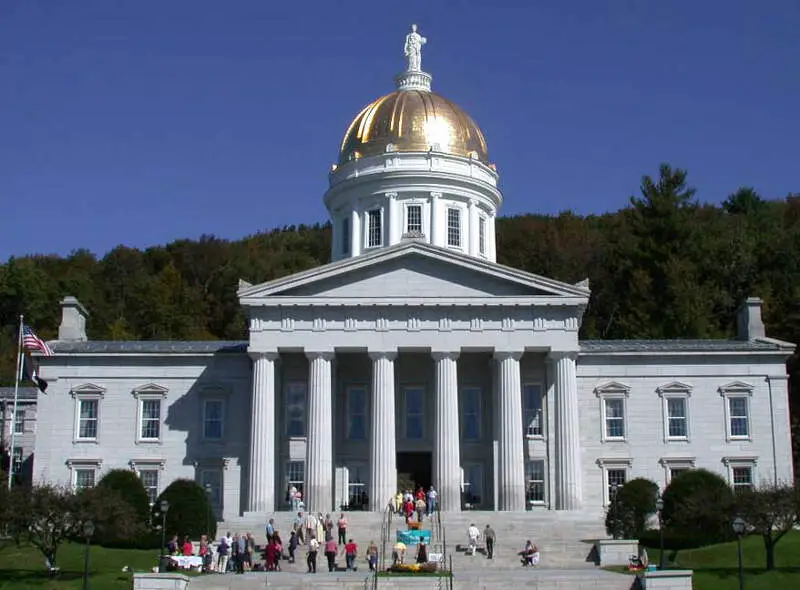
88,531
164,505
615,508
660,509
739,526
208,515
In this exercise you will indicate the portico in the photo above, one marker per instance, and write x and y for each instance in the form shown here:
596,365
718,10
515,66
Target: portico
368,377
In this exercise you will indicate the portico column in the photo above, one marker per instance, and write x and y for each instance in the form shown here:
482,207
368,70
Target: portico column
319,442
261,492
382,454
446,452
568,443
472,220
511,452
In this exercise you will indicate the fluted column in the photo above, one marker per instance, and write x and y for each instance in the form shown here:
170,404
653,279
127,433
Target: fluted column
436,233
261,492
382,453
511,468
446,451
319,442
568,449
356,236
472,227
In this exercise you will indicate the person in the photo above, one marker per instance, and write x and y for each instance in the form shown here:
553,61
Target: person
473,533
204,551
431,500
269,555
297,526
311,558
270,529
350,552
187,547
420,507
489,536
293,498
372,556
342,526
276,539
398,553
330,552
422,552
293,543
172,546
530,555
223,554
241,551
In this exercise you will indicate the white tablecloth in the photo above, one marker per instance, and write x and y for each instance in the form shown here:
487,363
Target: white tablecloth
187,562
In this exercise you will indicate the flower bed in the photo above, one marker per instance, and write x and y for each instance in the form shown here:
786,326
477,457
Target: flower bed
413,568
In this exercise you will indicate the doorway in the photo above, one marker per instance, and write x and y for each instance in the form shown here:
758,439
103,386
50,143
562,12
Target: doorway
414,470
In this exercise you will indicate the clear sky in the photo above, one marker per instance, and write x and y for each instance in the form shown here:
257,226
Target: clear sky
146,121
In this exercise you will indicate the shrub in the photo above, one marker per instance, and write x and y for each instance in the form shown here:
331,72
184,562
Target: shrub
189,512
629,512
699,504
128,488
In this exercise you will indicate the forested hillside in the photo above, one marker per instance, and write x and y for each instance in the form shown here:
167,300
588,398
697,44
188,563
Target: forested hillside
664,267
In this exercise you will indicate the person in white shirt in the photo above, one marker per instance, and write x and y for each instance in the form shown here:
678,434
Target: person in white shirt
474,534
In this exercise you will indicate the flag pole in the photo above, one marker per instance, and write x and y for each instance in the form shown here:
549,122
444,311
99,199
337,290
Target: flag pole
17,378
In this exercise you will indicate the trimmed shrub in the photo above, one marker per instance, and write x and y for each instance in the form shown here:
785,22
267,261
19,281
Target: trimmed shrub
125,485
699,504
189,514
629,512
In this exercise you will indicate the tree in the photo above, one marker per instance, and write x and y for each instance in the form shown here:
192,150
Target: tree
189,512
630,510
125,486
770,511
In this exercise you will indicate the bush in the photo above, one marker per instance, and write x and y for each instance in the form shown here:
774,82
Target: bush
189,512
629,512
128,488
699,504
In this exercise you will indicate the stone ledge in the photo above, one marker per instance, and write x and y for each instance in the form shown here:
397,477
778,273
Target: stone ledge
161,581
667,580
616,551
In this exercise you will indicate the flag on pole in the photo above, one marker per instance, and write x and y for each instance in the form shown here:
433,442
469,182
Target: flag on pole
30,372
32,342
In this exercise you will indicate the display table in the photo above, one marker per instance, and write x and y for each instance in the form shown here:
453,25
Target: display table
187,562
414,537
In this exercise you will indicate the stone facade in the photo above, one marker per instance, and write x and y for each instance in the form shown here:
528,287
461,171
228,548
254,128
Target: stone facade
25,429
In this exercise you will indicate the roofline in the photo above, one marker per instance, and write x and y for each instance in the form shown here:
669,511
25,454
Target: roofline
478,301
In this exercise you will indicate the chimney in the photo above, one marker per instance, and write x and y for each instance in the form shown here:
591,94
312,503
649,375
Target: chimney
749,323
73,320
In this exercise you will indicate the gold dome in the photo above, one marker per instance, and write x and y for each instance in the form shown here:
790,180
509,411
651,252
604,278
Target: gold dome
413,121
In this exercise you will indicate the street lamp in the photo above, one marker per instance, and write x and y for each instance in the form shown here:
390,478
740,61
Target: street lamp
208,512
739,526
660,509
164,505
88,531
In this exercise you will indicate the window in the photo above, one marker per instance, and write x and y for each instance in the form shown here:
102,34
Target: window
17,458
454,227
211,482
473,486
532,409
87,419
150,427
742,478
616,479
414,219
374,228
19,422
295,478
84,478
213,419
676,465
471,413
615,475
737,409
612,410
296,408
357,412
414,415
357,487
676,418
534,482
482,235
345,236
149,479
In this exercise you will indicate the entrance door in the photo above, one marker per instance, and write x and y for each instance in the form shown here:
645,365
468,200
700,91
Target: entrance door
414,470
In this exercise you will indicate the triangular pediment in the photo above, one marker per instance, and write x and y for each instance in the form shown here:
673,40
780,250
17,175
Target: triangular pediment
736,387
413,270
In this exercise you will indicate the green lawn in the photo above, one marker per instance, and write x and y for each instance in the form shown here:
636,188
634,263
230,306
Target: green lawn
23,567
717,567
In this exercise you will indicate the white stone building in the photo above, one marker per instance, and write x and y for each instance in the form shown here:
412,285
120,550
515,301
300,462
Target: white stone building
414,352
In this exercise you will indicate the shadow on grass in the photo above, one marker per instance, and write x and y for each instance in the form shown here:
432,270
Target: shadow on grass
733,572
22,575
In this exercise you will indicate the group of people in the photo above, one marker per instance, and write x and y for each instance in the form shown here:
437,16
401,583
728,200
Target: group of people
407,504
530,554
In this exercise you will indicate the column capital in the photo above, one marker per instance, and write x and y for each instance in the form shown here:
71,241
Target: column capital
557,355
327,355
270,355
473,202
390,195
382,354
436,195
502,355
440,355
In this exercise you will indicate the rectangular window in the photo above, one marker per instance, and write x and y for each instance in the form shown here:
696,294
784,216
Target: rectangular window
19,422
414,416
532,409
357,487
151,419
149,479
414,219
357,413
473,486
84,478
211,482
481,235
295,479
454,227
87,419
740,427
345,236
534,482
676,418
17,458
471,413
374,228
742,477
615,418
615,479
213,419
296,394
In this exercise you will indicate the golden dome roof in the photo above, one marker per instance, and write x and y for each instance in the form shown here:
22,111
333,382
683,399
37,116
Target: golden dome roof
413,121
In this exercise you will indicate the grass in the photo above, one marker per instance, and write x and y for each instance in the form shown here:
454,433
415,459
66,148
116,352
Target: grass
23,567
717,567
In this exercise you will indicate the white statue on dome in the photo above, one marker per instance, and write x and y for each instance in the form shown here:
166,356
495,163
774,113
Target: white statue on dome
413,50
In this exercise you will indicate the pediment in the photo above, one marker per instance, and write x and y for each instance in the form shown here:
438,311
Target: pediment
412,271
150,389
88,389
674,387
611,388
736,387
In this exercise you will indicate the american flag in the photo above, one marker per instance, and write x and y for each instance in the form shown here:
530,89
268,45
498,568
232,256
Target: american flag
32,342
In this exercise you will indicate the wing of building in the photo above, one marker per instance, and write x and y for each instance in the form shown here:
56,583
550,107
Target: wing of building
414,359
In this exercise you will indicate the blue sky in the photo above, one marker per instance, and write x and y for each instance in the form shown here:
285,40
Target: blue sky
146,121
